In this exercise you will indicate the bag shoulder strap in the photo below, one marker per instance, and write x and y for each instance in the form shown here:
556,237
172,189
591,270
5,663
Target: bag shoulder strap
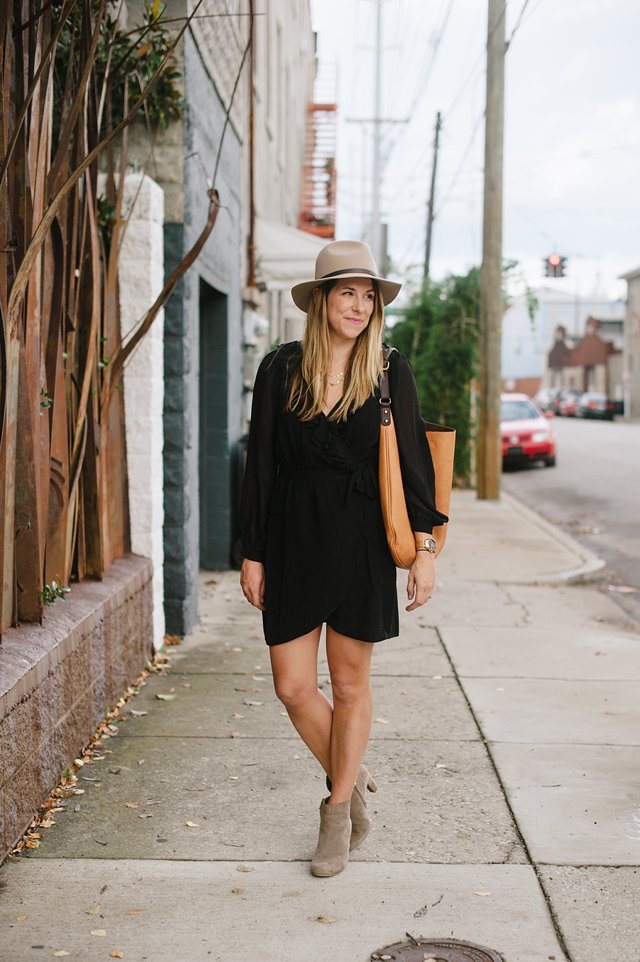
385,391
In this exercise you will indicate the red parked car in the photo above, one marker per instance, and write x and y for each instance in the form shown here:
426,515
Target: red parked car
527,435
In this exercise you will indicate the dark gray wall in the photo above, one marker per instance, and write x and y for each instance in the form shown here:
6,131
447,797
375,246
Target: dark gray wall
219,267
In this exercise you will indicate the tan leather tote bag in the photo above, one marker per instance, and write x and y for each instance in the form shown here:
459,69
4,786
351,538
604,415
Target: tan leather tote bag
442,440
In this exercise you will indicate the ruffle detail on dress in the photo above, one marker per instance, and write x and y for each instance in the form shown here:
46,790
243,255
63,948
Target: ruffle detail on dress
325,437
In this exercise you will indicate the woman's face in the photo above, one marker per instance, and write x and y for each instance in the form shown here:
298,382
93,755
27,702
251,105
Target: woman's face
350,305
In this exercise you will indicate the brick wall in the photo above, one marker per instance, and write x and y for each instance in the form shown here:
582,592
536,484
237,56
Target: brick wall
57,679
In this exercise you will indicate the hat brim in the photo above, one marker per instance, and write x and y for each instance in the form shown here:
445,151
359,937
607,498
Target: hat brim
301,293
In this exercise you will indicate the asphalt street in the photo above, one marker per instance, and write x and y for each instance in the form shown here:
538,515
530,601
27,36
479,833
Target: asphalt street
593,493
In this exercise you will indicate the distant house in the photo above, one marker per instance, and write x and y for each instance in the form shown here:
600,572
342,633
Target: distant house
590,363
526,339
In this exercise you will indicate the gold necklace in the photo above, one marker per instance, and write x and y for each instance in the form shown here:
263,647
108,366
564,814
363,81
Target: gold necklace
335,379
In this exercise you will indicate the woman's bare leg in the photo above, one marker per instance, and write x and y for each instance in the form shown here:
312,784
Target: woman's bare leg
295,678
349,666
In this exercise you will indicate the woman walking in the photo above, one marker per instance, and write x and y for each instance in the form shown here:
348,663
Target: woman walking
312,532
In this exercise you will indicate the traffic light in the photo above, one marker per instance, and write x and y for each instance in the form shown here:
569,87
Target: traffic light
555,265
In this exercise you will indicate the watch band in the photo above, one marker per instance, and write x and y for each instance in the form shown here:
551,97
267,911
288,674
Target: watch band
426,544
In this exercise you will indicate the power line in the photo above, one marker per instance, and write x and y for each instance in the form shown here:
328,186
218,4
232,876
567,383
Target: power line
422,84
428,66
460,166
478,60
518,22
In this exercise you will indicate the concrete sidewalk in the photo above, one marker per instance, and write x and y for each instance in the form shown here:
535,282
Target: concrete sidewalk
505,742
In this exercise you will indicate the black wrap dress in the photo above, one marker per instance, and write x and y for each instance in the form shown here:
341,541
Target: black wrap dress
310,506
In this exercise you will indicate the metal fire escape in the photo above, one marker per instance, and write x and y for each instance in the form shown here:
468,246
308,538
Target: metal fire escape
318,196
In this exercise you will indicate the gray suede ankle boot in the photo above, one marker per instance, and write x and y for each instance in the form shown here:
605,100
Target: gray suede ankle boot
332,851
360,818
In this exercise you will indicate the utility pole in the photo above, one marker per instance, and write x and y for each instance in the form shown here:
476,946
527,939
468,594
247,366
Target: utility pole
377,122
491,307
432,194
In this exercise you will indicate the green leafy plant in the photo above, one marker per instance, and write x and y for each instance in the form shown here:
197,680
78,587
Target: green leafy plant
440,337
50,593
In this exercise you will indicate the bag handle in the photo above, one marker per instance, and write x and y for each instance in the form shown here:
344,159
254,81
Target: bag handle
385,391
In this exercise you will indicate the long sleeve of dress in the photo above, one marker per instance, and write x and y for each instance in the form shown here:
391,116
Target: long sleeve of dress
415,457
261,464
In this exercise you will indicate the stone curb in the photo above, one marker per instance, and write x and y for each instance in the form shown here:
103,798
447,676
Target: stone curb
592,568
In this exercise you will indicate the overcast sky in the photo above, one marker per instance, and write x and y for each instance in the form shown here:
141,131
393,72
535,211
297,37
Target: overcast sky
572,131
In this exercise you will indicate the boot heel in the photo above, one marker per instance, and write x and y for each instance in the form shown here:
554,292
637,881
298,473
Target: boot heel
372,784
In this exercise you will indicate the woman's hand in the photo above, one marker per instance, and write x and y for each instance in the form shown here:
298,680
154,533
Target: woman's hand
252,582
421,581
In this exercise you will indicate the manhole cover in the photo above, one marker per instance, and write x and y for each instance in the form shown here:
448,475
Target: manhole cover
437,950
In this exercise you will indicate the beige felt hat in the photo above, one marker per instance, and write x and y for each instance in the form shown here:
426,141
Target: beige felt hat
339,260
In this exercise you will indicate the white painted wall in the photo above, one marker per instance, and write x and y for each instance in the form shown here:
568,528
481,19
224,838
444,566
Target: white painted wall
631,374
141,271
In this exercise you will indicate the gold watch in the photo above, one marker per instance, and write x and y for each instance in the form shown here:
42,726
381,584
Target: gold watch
426,544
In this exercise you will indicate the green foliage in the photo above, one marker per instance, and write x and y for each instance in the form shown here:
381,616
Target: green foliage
439,335
50,593
123,65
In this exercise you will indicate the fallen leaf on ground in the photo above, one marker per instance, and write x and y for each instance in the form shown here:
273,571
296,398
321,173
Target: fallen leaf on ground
237,714
482,893
171,697
234,778
236,649
99,932
237,735
21,918
30,844
255,704
325,918
146,815
94,910
382,721
60,953
258,678
134,911
245,868
237,890
138,714
192,825
116,954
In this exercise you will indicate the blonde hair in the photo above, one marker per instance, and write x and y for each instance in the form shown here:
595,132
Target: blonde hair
306,395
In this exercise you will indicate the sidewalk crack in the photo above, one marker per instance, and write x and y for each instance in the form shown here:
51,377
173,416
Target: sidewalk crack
520,837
